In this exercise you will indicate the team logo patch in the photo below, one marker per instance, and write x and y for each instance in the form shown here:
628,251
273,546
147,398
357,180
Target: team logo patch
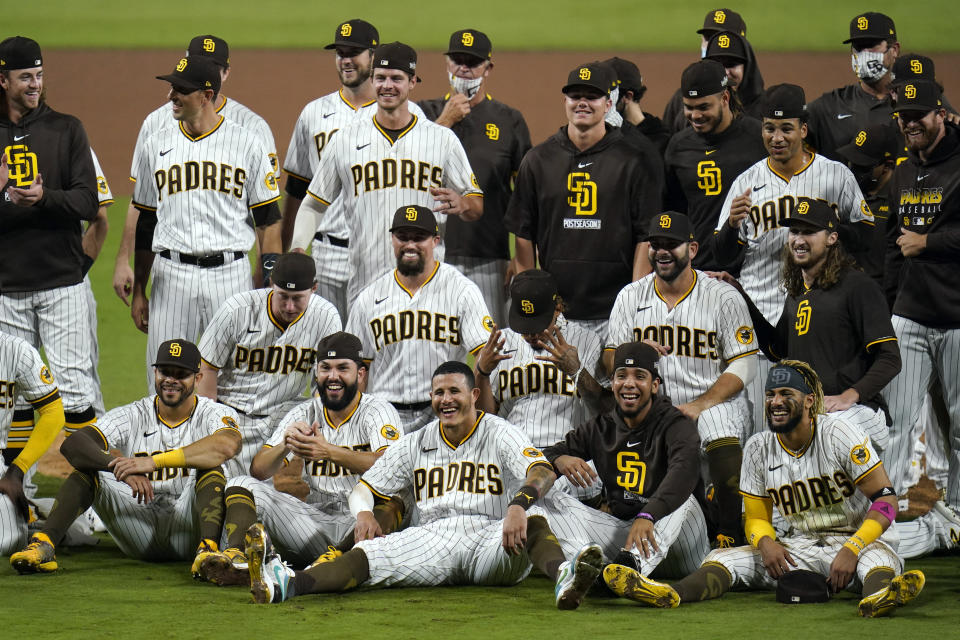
583,193
271,181
493,131
182,65
230,422
862,23
410,213
209,45
273,160
803,208
584,73
102,185
346,29
487,323
910,91
745,335
916,67
389,432
719,17
861,138
532,452
467,39
665,221
473,178
860,454
779,376
175,349
724,41
865,210
45,375
527,307
21,165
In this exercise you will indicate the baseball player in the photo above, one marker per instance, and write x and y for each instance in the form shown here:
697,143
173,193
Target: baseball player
338,435
22,373
925,202
152,505
645,453
48,188
391,158
702,330
703,159
201,188
354,42
631,91
736,55
460,469
495,138
217,50
750,225
581,202
824,476
419,315
259,349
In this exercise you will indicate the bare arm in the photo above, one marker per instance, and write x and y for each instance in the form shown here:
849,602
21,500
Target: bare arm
122,273
526,255
290,207
95,234
641,260
206,453
725,387
207,386
268,461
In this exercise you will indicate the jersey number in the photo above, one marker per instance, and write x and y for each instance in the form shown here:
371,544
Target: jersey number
709,177
633,471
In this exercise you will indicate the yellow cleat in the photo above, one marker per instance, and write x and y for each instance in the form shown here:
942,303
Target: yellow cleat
227,568
631,584
37,557
901,590
204,549
332,554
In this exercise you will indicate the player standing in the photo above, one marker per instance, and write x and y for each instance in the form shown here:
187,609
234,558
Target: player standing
259,350
495,138
823,475
392,158
702,330
49,188
161,438
354,42
415,317
202,188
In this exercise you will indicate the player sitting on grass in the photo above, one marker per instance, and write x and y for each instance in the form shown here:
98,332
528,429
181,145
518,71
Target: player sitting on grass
826,479
459,468
151,504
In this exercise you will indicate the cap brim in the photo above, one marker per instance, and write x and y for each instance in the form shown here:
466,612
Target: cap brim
347,43
856,155
568,87
529,324
179,81
413,227
467,53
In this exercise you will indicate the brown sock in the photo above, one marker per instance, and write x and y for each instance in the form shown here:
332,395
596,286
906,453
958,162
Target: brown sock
542,547
75,497
709,581
876,579
388,515
346,572
241,513
724,457
209,503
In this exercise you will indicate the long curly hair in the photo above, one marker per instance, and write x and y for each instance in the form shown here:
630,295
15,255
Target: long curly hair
813,381
836,262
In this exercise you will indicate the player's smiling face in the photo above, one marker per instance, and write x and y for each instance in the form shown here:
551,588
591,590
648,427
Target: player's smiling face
174,385
453,401
23,87
392,87
670,258
920,129
786,408
413,249
337,382
633,389
783,138
707,113
808,244
186,103
585,106
353,65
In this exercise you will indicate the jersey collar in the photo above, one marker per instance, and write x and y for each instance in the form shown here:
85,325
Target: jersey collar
343,98
799,454
326,416
156,412
202,135
681,298
410,126
275,322
473,430
396,277
223,103
813,154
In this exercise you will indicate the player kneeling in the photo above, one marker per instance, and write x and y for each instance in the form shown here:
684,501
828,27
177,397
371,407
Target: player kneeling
151,504
826,479
470,531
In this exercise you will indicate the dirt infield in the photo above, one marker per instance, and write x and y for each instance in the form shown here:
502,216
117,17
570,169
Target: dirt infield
111,91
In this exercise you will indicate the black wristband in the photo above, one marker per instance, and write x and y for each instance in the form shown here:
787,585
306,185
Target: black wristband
526,496
485,374
85,263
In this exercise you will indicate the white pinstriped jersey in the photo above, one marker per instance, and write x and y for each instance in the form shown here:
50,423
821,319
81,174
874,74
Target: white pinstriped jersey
707,329
373,426
23,373
537,396
408,336
104,195
764,231
471,479
137,429
262,364
203,188
815,489
377,177
162,117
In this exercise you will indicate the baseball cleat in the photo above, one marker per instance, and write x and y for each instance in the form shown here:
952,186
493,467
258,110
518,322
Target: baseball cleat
332,554
631,584
204,549
269,576
226,569
901,590
951,521
575,578
37,557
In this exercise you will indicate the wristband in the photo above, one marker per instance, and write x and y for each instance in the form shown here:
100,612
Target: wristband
525,497
485,374
869,531
645,516
170,459
576,376
885,509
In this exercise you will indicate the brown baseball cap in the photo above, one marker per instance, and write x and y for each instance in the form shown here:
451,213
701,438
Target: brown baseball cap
396,55
355,33
533,300
871,26
294,272
340,346
414,216
724,46
920,95
195,72
871,146
722,20
671,225
18,52
594,75
636,354
211,46
815,213
178,352
472,42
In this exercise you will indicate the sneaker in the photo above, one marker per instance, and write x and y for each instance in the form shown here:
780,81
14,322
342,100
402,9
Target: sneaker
204,549
902,589
951,520
226,569
627,559
269,576
575,578
94,521
631,584
332,554
37,557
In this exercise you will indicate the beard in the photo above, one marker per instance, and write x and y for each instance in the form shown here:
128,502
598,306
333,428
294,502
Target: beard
362,74
670,272
333,404
796,415
411,269
633,413
185,392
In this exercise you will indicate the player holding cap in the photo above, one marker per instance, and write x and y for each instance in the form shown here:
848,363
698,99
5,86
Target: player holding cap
259,350
416,317
823,475
161,438
202,187
705,338
338,434
392,158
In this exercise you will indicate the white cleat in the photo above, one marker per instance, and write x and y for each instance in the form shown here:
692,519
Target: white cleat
576,577
270,576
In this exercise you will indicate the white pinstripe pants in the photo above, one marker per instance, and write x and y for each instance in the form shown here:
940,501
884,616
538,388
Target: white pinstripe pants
13,529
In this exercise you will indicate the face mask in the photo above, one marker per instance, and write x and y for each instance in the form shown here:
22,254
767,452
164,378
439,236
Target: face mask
703,51
868,65
613,118
468,87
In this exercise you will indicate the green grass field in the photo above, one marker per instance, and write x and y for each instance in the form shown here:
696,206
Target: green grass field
628,25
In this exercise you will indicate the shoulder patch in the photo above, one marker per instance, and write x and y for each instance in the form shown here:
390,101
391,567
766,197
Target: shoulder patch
745,335
860,454
473,181
230,422
488,323
532,452
389,432
271,181
45,375
102,185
